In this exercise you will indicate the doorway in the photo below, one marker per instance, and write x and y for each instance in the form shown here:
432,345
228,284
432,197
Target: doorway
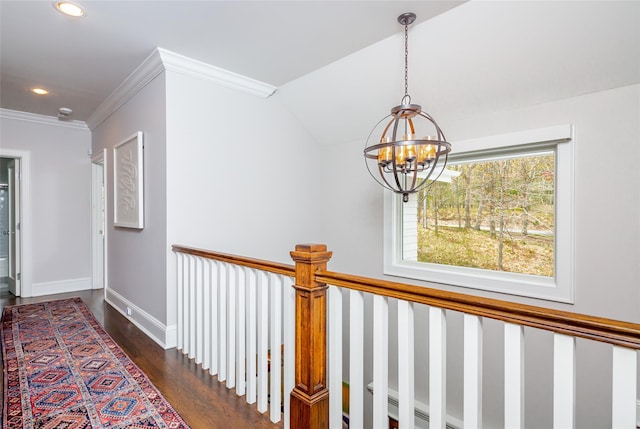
19,254
10,224
4,225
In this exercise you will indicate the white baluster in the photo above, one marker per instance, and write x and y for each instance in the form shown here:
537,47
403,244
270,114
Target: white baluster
192,307
251,337
187,303
275,292
334,322
289,314
513,375
223,287
263,339
624,390
406,388
214,306
180,298
206,319
380,361
437,367
231,326
199,316
241,339
184,322
185,306
564,381
472,372
356,359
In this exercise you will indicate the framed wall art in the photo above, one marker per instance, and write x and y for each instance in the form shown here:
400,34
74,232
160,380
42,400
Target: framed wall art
128,184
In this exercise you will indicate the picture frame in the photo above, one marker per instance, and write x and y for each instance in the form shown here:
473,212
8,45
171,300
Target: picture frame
128,182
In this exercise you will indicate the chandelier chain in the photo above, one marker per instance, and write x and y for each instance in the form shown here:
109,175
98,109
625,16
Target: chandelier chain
406,61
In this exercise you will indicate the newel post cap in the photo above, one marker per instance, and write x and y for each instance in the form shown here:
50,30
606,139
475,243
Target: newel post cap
311,253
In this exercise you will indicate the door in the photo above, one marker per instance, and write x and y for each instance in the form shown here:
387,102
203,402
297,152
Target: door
98,221
14,227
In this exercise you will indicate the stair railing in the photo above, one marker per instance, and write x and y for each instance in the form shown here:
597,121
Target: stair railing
312,407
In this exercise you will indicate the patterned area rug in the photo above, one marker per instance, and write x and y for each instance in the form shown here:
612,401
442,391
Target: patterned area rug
62,370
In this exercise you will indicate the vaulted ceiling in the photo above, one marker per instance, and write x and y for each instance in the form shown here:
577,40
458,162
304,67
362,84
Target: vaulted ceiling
478,58
338,65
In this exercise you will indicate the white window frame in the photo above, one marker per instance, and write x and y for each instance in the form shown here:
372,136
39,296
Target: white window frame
559,288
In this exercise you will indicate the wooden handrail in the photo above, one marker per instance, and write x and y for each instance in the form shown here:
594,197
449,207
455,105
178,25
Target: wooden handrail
260,264
601,329
610,331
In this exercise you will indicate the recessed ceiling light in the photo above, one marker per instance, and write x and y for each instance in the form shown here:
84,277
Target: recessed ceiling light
39,91
69,8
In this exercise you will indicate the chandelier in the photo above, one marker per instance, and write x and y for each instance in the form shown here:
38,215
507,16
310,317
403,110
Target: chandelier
412,150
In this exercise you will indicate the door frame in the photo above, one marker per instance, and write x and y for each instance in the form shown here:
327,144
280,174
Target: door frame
25,216
13,172
98,258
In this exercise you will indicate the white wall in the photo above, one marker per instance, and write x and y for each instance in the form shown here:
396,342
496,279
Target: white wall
242,175
607,209
136,259
60,199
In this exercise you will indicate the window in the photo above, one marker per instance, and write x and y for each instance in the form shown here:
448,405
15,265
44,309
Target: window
499,219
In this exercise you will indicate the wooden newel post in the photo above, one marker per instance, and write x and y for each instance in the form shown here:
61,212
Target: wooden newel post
310,396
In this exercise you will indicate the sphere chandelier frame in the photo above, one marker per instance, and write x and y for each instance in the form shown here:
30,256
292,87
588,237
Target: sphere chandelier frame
399,160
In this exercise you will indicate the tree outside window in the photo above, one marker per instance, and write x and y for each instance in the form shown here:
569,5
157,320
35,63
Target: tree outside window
495,214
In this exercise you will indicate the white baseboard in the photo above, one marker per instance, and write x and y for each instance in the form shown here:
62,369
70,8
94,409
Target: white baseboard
164,335
421,411
60,286
171,336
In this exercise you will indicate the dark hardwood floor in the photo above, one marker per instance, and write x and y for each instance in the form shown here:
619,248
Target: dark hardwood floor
202,401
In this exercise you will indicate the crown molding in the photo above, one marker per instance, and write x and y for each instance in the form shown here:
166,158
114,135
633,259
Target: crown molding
42,119
160,60
181,64
150,68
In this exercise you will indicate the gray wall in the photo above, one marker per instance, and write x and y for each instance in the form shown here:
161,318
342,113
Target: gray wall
136,258
60,190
